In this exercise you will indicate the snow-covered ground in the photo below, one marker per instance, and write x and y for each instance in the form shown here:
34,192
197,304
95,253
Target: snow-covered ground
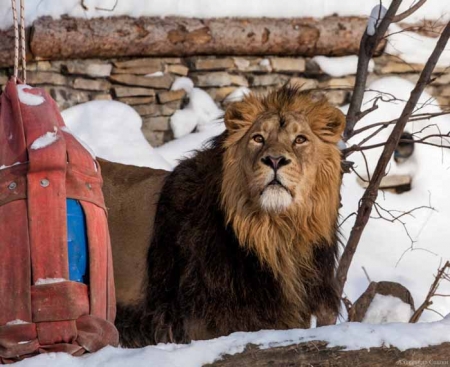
351,336
433,9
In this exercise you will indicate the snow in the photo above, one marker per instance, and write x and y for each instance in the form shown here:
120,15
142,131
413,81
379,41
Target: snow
351,336
433,9
185,147
113,130
45,140
41,281
384,309
12,165
17,322
200,112
376,16
413,48
184,83
237,95
340,66
155,74
28,98
386,250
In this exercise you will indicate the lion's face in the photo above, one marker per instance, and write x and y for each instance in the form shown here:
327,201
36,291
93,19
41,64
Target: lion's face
282,141
279,164
281,178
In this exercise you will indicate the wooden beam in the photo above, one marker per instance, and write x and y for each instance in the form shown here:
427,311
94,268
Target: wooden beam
71,38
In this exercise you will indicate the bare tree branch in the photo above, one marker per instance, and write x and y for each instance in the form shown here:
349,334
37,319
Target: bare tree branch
407,13
441,274
371,193
366,50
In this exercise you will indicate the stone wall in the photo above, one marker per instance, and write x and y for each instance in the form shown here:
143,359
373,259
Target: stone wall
144,83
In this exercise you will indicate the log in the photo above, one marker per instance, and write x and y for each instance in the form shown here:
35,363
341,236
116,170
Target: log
71,38
317,354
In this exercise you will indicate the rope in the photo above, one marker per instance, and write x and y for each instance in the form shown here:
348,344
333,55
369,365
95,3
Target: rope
16,40
20,37
23,41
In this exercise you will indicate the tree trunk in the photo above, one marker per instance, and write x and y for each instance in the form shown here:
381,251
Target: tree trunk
317,354
70,38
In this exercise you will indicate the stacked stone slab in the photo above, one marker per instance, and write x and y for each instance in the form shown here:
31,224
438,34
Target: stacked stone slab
145,83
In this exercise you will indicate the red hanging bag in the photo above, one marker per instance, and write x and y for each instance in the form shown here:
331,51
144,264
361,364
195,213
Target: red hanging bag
41,165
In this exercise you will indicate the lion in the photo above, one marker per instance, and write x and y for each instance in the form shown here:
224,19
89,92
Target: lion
242,236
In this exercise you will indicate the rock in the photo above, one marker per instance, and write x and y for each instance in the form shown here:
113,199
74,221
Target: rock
31,66
147,110
133,92
215,79
102,97
398,68
213,64
173,95
89,68
138,63
145,62
38,77
445,92
67,97
252,64
91,84
167,109
337,83
47,66
336,97
360,307
155,138
157,82
312,68
304,83
219,94
239,80
442,79
288,64
268,79
136,100
177,69
156,123
143,70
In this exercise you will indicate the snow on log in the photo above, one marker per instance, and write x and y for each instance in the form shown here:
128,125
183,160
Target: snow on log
317,354
69,38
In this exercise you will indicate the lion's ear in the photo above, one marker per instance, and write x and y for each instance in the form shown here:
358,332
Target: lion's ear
329,125
242,114
234,119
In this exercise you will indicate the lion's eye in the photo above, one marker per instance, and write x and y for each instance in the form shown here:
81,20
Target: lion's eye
300,139
258,139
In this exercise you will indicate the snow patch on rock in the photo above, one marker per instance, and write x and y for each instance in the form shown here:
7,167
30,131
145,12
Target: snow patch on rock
184,83
384,309
340,66
237,95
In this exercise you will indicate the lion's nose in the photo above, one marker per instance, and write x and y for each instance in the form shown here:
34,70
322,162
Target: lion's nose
275,162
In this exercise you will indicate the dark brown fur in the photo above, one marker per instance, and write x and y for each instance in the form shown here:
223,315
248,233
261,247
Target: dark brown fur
210,274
